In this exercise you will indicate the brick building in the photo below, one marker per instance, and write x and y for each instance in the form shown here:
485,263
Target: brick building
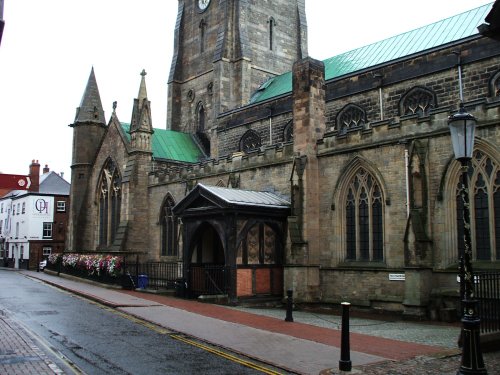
333,178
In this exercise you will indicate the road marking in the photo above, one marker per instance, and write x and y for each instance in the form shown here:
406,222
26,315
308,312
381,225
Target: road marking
179,337
151,326
225,355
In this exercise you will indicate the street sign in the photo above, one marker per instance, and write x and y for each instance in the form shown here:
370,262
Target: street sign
14,182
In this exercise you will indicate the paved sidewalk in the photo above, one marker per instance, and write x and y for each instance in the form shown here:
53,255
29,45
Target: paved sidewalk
19,355
308,347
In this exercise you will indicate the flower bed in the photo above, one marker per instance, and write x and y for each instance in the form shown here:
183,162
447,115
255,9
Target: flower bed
98,266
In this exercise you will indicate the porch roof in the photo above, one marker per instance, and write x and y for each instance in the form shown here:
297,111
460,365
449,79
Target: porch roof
247,197
204,196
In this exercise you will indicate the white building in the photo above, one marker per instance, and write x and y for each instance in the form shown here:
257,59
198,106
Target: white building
33,224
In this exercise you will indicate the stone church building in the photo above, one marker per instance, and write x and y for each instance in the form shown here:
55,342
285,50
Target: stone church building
333,178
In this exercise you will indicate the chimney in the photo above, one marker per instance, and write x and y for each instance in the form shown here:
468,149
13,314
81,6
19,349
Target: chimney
46,169
34,175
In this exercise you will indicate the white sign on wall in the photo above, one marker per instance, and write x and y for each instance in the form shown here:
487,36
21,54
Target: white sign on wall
397,277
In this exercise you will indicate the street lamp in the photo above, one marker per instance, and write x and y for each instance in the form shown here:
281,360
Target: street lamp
462,127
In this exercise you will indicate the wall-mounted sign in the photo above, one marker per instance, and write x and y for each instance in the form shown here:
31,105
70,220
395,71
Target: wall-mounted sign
14,182
397,277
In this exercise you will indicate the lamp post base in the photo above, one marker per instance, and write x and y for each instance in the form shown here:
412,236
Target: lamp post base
472,357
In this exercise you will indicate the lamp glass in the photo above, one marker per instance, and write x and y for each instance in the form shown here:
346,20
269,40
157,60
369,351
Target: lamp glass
462,128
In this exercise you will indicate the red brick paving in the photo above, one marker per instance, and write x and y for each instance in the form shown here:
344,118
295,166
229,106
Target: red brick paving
387,348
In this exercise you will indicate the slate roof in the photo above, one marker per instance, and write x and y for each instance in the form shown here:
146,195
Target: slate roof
52,183
171,145
246,197
437,34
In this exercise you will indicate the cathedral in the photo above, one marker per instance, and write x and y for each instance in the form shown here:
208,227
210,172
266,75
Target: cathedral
335,179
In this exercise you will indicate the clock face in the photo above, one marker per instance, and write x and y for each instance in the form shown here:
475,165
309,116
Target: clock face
203,4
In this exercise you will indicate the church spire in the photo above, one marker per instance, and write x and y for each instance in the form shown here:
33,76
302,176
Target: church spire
141,126
143,93
90,109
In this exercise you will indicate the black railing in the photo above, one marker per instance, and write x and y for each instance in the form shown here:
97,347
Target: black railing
487,285
151,275
208,279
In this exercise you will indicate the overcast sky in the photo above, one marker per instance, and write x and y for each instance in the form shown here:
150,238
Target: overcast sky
49,47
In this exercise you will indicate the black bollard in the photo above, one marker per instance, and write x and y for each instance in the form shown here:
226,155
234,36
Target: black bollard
289,305
345,363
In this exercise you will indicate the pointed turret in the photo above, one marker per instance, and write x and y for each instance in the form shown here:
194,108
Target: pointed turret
89,128
141,126
90,109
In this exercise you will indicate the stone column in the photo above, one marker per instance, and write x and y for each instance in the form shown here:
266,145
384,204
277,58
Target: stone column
302,269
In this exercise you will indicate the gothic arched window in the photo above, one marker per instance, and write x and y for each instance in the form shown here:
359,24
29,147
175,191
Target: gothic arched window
203,28
495,84
201,118
418,100
250,141
288,132
484,198
350,117
110,196
201,134
168,228
364,227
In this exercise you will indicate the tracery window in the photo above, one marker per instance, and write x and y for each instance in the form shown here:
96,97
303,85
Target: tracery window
168,228
110,195
484,198
250,141
419,101
350,117
364,219
497,87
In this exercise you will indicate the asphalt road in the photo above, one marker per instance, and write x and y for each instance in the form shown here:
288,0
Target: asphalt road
99,340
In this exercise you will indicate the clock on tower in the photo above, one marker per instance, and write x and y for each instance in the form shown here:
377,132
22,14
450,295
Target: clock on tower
203,4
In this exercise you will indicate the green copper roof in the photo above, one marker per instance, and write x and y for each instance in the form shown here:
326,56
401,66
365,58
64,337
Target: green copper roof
431,36
172,145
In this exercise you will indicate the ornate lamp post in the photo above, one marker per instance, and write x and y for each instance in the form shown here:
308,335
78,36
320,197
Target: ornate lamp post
462,128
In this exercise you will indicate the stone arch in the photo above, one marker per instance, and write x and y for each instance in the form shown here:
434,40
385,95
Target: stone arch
494,84
417,101
108,198
359,201
485,168
168,223
250,141
351,117
288,132
348,171
201,118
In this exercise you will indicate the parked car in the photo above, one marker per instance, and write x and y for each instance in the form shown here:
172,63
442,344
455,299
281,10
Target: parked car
42,264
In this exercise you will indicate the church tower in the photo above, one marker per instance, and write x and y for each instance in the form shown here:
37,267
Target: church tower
88,129
223,51
138,168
